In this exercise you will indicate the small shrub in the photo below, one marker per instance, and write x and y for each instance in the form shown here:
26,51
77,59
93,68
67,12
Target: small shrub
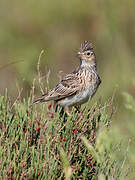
41,142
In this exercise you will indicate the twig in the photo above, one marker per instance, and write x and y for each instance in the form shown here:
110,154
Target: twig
11,63
32,90
47,79
126,154
60,75
39,73
19,95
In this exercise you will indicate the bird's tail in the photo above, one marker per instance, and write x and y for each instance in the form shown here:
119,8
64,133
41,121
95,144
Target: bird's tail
42,99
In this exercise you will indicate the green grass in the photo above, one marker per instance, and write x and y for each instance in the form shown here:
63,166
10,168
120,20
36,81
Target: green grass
40,143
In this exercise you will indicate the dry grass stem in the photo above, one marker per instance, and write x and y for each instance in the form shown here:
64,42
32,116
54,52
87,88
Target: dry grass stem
39,73
47,79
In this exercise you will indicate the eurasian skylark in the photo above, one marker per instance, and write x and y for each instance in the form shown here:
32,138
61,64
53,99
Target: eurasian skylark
80,85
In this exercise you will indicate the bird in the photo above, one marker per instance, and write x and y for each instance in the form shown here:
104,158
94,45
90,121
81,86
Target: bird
77,87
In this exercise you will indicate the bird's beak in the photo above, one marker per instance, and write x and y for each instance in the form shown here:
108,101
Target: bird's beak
79,55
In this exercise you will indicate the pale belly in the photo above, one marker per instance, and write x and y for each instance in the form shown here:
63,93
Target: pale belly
78,99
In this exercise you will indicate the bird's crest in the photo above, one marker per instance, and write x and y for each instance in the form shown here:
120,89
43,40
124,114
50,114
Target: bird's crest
86,45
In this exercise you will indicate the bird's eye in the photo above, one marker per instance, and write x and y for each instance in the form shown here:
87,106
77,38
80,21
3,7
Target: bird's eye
88,53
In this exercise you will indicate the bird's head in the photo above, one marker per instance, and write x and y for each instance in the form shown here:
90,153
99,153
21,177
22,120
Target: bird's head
86,53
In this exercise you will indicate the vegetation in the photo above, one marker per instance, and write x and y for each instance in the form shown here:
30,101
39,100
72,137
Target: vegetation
46,144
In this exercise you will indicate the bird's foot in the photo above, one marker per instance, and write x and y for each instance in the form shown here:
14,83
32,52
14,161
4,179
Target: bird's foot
68,111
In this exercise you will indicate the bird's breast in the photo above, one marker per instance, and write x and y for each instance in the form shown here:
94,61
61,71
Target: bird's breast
90,83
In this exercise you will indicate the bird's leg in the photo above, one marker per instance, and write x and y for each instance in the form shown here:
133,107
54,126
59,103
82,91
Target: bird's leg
78,107
67,110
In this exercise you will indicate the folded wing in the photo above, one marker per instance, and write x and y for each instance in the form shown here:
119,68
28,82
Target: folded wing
68,86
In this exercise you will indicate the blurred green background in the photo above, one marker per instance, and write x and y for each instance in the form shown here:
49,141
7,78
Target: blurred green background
58,27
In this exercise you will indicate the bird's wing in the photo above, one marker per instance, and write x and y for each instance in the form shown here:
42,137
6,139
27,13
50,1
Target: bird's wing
68,86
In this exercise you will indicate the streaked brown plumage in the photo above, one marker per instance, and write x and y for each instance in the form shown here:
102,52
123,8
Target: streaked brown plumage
80,85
